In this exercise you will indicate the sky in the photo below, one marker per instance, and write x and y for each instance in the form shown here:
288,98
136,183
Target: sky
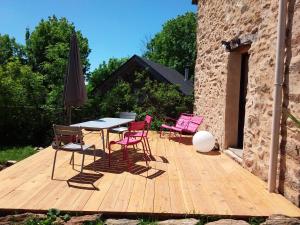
114,28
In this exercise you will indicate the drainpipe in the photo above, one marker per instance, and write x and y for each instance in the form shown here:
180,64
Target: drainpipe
279,70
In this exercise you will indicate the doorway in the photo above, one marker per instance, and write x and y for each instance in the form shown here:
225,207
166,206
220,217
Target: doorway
236,93
242,100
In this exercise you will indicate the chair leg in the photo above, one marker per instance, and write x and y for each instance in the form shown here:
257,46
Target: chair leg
146,146
72,158
82,164
145,155
127,158
54,164
103,140
94,150
149,148
123,151
107,138
109,151
73,161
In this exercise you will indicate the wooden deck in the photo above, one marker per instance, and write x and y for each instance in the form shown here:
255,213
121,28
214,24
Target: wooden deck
180,181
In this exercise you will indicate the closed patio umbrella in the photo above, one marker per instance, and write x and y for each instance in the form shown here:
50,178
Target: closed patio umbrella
74,86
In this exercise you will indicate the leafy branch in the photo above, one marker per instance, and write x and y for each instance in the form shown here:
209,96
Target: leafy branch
292,117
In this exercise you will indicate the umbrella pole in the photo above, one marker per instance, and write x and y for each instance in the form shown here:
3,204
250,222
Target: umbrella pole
69,115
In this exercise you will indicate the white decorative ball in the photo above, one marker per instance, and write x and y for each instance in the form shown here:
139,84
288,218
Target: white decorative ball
203,141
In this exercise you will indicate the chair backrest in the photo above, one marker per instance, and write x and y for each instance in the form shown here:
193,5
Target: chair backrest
183,121
127,115
137,126
148,120
66,134
193,124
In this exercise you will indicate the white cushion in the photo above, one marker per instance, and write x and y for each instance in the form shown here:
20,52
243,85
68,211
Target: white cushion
75,147
118,129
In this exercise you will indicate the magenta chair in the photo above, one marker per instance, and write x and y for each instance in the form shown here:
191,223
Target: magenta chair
186,123
143,135
128,140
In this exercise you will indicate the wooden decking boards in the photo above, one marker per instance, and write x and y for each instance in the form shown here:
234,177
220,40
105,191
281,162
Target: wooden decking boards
180,181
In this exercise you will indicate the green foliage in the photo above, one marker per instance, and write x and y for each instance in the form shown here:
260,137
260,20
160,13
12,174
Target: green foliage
52,216
103,72
175,45
48,48
293,118
117,99
19,85
31,81
143,95
256,220
15,153
9,49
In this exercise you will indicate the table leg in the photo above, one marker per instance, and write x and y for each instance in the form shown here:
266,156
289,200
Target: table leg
103,140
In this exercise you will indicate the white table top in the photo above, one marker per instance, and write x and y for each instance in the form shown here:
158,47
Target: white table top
103,123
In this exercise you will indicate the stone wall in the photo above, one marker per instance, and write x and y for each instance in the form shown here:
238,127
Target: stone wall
228,19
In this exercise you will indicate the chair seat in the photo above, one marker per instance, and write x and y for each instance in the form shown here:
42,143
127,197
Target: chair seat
128,141
171,127
165,126
75,147
136,134
118,129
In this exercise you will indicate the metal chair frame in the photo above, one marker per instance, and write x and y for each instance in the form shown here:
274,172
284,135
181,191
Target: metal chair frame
74,137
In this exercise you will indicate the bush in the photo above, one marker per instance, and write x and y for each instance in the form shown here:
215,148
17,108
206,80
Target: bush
144,96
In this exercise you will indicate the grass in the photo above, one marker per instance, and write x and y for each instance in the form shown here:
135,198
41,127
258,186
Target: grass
15,153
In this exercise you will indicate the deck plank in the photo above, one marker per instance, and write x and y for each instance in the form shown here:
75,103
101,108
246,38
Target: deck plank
178,181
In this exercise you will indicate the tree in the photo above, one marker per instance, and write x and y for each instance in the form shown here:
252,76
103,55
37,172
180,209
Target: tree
175,45
10,50
144,95
21,93
48,47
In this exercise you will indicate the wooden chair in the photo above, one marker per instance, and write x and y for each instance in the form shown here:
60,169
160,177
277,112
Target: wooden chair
121,129
69,139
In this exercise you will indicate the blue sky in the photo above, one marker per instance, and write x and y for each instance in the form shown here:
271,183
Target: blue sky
114,28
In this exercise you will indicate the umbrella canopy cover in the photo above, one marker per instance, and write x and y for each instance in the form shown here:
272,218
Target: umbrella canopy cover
74,86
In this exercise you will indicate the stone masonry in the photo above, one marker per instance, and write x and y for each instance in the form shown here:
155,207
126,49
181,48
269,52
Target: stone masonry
220,20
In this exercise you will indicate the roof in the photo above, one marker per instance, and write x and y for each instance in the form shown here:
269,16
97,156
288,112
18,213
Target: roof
157,71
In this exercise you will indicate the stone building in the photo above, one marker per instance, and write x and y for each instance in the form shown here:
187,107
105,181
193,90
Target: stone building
234,84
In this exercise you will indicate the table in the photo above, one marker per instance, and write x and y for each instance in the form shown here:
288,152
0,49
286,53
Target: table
101,124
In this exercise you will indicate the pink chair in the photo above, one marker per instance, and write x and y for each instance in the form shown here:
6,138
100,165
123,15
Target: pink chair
143,135
128,140
186,123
